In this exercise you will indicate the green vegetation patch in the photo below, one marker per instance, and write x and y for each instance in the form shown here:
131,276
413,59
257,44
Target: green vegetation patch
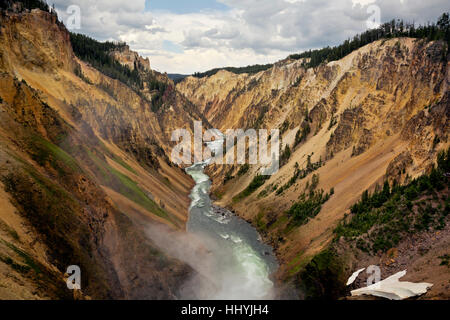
16,266
306,208
54,213
97,54
300,174
228,176
30,262
392,29
388,30
285,155
259,221
284,127
12,233
43,152
26,4
302,134
297,263
123,163
380,220
125,186
243,169
248,69
134,193
323,277
257,182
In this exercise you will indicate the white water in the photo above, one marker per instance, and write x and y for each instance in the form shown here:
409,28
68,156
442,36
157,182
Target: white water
242,264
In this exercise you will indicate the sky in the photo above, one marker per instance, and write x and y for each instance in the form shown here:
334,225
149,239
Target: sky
187,36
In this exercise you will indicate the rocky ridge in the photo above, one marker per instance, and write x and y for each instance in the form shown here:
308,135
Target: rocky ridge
379,113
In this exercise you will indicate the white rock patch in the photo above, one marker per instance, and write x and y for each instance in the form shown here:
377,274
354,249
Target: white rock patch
354,276
393,289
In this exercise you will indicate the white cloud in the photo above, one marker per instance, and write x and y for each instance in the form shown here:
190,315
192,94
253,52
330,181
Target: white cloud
252,31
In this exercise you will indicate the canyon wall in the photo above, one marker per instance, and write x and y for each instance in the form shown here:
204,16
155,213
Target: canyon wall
84,169
380,113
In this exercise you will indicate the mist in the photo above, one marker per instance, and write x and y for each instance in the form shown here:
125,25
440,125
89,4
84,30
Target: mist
212,279
229,260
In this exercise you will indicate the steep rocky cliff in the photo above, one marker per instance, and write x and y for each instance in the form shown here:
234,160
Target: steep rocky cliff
131,59
83,169
379,113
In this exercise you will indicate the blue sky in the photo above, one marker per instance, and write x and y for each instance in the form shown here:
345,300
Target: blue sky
172,47
184,6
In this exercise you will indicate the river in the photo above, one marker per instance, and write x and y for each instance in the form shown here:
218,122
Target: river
243,264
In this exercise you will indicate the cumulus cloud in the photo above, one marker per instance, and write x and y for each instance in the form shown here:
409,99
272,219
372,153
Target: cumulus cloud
249,32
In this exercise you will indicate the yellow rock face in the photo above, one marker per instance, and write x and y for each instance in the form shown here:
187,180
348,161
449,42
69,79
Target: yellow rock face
131,59
95,148
372,115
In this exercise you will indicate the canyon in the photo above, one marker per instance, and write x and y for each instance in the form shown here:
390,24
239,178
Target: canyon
78,152
370,117
87,179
